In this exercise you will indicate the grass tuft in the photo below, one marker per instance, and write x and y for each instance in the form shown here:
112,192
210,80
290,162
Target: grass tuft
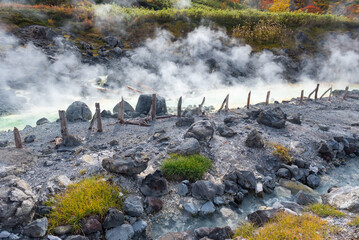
354,222
245,230
191,167
289,227
324,210
283,153
89,196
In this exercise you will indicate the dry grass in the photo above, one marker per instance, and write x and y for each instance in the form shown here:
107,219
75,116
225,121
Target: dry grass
324,210
283,153
288,227
88,197
354,222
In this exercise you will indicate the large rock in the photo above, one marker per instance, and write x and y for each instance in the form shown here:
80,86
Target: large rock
254,140
219,233
246,180
154,185
313,181
78,111
344,198
295,186
127,108
201,130
128,165
204,190
133,206
37,228
187,147
145,101
207,209
153,204
274,118
123,232
260,217
304,199
17,202
42,121
191,208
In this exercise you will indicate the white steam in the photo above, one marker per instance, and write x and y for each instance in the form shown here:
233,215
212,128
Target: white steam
183,4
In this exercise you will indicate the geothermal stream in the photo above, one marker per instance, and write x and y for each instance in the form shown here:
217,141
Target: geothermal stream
237,98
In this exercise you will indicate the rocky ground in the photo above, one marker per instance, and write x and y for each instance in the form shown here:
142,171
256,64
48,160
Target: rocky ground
320,134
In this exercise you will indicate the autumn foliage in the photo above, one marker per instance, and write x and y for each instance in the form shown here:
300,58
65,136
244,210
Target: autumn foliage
280,6
312,9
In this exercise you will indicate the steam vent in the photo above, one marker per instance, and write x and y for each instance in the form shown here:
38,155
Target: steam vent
179,120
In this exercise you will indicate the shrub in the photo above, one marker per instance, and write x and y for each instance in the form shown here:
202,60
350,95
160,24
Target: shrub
89,196
282,153
354,222
264,32
280,6
190,167
324,210
290,227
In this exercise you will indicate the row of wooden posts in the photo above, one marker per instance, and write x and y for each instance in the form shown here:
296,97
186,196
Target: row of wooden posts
152,113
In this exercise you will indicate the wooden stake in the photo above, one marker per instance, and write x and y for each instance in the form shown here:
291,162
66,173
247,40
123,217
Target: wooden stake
301,97
329,89
316,92
17,138
153,107
226,108
249,99
267,98
98,117
93,120
120,111
225,102
63,123
199,111
330,94
179,107
346,93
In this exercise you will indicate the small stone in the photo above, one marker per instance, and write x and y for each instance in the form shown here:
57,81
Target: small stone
91,225
207,209
225,131
4,234
191,208
62,230
29,139
313,181
37,228
282,192
182,189
139,227
133,206
259,190
323,127
218,201
153,204
76,237
50,237
3,143
123,232
254,140
154,185
113,219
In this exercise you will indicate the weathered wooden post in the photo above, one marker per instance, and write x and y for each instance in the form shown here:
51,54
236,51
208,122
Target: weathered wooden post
153,107
199,111
249,99
346,93
316,92
267,98
63,123
224,104
99,120
93,120
329,89
301,97
330,94
17,138
179,107
120,111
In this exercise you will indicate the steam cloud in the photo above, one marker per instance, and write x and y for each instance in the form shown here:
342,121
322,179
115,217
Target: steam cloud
204,60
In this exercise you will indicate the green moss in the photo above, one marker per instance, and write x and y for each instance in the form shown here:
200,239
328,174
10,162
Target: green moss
87,197
191,167
324,210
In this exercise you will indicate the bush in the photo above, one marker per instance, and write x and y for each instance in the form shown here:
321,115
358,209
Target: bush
290,227
324,210
354,222
282,153
191,167
87,197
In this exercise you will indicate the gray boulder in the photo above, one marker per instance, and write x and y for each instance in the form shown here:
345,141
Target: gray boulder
246,180
29,139
4,143
42,121
254,140
313,181
201,130
304,199
71,141
76,237
191,208
260,217
133,206
37,228
274,118
127,108
207,209
220,233
204,190
154,185
185,121
139,227
225,131
78,111
123,232
113,219
344,198
145,101
128,165
187,147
